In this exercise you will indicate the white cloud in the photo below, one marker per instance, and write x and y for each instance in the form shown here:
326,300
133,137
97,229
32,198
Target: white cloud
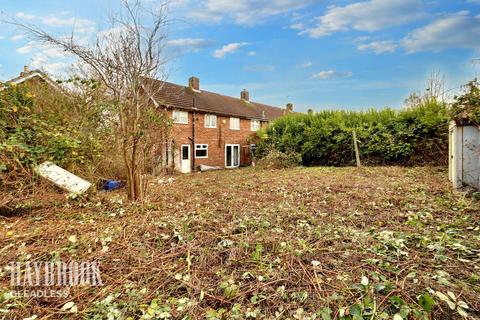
80,25
371,15
50,59
26,48
25,16
252,53
17,37
49,51
189,44
228,48
43,62
379,47
362,39
297,26
297,16
307,64
206,16
244,12
2,37
460,30
331,74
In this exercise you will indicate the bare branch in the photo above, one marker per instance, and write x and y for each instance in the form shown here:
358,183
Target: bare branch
121,58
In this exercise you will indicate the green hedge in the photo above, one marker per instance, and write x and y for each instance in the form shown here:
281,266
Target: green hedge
410,136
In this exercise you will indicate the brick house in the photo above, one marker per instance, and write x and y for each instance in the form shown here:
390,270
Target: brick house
208,128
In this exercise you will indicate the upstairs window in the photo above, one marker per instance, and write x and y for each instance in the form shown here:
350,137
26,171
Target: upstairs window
210,121
254,125
180,116
235,123
201,151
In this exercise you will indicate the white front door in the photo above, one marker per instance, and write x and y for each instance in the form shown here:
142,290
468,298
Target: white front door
185,158
232,155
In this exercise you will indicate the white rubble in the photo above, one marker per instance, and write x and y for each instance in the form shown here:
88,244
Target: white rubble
62,178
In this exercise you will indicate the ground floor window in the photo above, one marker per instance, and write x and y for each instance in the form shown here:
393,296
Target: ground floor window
201,151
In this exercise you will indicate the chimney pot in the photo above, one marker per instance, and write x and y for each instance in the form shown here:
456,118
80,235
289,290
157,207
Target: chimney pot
244,95
194,83
289,107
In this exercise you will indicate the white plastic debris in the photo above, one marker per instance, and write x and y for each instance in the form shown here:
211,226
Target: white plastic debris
166,181
62,178
209,168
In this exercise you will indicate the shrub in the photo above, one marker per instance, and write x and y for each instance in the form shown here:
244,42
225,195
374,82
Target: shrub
30,133
38,123
466,108
276,159
412,136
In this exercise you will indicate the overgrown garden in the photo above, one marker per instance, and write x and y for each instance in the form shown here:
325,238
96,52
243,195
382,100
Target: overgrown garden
301,243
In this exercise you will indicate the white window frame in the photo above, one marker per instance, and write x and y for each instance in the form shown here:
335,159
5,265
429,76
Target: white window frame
239,155
232,119
252,121
201,146
207,124
180,116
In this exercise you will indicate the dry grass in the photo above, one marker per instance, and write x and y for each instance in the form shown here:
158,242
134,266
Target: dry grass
259,243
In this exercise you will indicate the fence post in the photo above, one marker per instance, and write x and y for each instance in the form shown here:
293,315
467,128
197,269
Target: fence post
357,154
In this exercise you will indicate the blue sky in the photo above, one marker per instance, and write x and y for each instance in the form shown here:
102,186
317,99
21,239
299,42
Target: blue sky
316,54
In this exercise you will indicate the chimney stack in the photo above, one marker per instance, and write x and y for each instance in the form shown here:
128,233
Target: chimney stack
289,108
26,70
244,95
194,83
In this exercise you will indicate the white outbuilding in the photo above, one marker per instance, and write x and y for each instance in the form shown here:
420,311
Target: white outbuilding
464,155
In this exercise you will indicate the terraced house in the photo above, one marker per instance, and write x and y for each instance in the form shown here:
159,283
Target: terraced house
211,129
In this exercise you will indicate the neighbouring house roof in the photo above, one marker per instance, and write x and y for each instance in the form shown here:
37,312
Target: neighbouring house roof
27,75
176,96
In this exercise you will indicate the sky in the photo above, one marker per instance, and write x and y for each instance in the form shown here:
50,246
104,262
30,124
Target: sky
318,54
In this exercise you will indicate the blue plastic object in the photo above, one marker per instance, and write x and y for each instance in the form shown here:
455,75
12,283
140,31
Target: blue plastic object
112,185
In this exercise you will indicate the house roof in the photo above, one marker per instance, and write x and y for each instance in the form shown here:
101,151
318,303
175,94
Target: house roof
27,75
181,97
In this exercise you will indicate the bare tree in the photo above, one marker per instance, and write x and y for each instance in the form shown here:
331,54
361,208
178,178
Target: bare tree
434,91
121,58
435,87
413,100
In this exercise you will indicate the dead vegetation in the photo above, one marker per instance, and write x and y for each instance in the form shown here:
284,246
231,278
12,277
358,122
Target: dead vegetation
303,243
120,59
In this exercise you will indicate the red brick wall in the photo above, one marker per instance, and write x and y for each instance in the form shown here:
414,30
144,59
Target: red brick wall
216,138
